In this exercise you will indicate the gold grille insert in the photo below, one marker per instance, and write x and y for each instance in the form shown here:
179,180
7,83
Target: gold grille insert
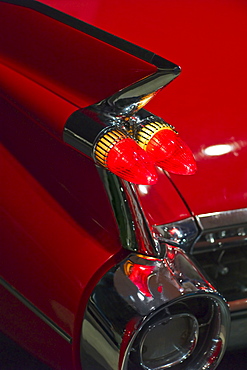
149,130
105,143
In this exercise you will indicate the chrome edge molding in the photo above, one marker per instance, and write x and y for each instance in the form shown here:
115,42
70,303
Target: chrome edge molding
221,230
95,32
36,311
221,219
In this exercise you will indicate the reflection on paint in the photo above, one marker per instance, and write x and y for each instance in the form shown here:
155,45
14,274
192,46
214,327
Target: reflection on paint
143,189
220,149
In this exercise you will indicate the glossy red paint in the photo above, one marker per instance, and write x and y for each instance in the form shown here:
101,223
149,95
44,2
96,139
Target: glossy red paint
161,202
33,335
50,225
62,60
42,105
207,102
51,86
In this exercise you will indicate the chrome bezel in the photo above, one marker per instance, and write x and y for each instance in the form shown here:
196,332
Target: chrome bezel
173,362
118,308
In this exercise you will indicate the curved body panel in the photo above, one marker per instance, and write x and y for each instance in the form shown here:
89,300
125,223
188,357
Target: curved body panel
68,226
207,103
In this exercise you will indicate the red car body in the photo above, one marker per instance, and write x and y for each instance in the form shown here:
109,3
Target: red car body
60,232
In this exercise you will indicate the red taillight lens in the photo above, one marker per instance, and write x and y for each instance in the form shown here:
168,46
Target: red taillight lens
166,148
123,156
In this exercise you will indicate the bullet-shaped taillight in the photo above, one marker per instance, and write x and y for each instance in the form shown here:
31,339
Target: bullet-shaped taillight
166,148
121,155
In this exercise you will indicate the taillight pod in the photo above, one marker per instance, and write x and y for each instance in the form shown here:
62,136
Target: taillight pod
166,148
121,155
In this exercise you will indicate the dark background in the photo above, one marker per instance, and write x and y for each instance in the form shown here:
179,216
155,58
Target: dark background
12,357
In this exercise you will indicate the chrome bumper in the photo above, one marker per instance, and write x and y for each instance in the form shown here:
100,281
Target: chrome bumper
144,299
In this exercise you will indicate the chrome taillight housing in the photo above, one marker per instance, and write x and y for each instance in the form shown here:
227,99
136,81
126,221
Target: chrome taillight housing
126,140
151,313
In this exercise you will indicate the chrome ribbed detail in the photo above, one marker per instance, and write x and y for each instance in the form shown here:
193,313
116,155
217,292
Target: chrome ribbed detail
105,143
149,130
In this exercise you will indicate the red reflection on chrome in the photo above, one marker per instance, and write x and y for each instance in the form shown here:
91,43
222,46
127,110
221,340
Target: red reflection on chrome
130,329
139,275
216,350
130,162
171,253
171,153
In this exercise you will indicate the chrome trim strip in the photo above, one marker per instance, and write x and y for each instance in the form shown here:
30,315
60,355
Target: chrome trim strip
36,311
121,208
220,219
221,230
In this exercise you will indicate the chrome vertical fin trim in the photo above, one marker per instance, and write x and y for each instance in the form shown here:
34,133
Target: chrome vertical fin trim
129,100
134,231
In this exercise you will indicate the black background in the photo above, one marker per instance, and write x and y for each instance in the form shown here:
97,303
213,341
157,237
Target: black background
13,357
